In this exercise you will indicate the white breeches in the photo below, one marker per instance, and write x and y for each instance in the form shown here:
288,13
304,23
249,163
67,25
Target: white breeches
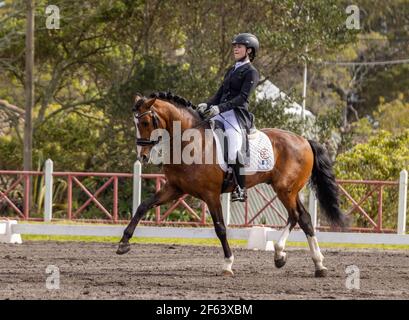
233,133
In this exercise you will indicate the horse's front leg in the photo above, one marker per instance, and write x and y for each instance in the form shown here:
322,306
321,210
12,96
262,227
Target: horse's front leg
167,193
216,212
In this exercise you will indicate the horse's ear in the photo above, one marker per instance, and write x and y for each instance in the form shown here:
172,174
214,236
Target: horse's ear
138,97
139,100
149,103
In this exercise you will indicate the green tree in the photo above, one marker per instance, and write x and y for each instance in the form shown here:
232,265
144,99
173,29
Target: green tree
381,158
393,116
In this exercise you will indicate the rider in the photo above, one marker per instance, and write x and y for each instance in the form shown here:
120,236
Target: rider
230,105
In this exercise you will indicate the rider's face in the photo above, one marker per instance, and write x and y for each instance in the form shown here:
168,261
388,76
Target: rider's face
239,51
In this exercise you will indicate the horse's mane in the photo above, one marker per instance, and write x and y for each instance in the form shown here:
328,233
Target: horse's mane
178,100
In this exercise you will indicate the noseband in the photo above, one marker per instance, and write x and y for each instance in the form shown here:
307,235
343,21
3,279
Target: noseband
155,122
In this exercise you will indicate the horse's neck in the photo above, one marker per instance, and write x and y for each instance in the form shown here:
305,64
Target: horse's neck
185,119
179,121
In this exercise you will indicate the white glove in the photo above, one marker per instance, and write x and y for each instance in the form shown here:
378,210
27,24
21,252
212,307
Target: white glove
211,112
201,108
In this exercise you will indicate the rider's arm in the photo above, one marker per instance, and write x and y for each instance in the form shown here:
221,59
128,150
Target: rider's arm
249,84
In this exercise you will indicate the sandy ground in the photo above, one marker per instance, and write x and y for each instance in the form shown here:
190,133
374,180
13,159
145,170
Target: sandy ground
94,271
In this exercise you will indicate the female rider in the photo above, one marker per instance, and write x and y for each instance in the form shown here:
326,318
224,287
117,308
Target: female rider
230,105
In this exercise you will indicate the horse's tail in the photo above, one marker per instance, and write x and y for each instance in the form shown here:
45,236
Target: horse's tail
325,187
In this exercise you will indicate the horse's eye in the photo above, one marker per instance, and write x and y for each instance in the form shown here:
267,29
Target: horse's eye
145,124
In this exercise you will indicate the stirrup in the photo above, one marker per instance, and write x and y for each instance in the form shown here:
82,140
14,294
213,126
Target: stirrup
239,194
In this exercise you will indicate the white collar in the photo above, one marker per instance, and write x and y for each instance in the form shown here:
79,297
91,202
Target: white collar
240,63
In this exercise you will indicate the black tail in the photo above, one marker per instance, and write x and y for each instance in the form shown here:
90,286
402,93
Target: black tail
325,187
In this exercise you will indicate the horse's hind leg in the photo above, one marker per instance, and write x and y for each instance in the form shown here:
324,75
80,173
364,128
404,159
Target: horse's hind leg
306,225
280,257
167,193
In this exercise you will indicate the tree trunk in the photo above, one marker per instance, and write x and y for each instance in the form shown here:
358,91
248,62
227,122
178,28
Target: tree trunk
29,86
29,93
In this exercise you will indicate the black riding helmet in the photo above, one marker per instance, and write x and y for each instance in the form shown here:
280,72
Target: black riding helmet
249,40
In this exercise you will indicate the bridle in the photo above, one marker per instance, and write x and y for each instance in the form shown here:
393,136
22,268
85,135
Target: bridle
155,122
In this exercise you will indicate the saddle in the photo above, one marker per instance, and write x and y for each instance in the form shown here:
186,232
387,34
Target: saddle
261,155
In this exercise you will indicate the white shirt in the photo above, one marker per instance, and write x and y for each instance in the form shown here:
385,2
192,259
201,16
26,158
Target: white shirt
240,63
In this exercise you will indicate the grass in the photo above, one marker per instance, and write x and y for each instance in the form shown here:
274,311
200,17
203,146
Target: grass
203,242
179,241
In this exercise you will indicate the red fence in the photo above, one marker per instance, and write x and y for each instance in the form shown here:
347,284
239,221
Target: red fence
73,181
199,218
376,190
23,179
21,186
374,220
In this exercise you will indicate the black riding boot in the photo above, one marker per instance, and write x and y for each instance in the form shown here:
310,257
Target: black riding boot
239,194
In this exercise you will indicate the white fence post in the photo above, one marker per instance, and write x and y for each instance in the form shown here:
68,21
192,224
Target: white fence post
48,201
226,208
137,186
312,208
7,235
403,193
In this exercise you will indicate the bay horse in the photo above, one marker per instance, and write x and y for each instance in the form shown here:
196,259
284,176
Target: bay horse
297,160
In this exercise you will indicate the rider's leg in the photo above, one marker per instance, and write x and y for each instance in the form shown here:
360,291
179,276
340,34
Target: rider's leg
234,136
235,141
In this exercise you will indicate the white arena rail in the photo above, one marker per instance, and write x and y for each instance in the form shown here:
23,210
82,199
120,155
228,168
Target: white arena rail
258,237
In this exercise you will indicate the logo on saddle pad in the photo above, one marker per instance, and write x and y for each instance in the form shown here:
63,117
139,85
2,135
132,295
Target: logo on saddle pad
264,154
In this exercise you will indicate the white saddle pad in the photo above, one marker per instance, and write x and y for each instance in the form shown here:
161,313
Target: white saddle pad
261,153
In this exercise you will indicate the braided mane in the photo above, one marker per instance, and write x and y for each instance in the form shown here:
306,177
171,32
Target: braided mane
182,102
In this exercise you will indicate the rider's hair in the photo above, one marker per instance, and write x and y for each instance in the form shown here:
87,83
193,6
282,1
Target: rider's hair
252,54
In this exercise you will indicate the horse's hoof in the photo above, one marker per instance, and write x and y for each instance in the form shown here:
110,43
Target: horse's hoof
228,273
280,262
123,248
321,273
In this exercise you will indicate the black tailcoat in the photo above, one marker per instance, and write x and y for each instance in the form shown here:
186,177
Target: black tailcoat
235,91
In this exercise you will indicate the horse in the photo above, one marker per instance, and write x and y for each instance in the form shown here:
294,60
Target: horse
297,161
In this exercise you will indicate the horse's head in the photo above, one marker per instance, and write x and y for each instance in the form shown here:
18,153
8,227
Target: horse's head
160,111
146,120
